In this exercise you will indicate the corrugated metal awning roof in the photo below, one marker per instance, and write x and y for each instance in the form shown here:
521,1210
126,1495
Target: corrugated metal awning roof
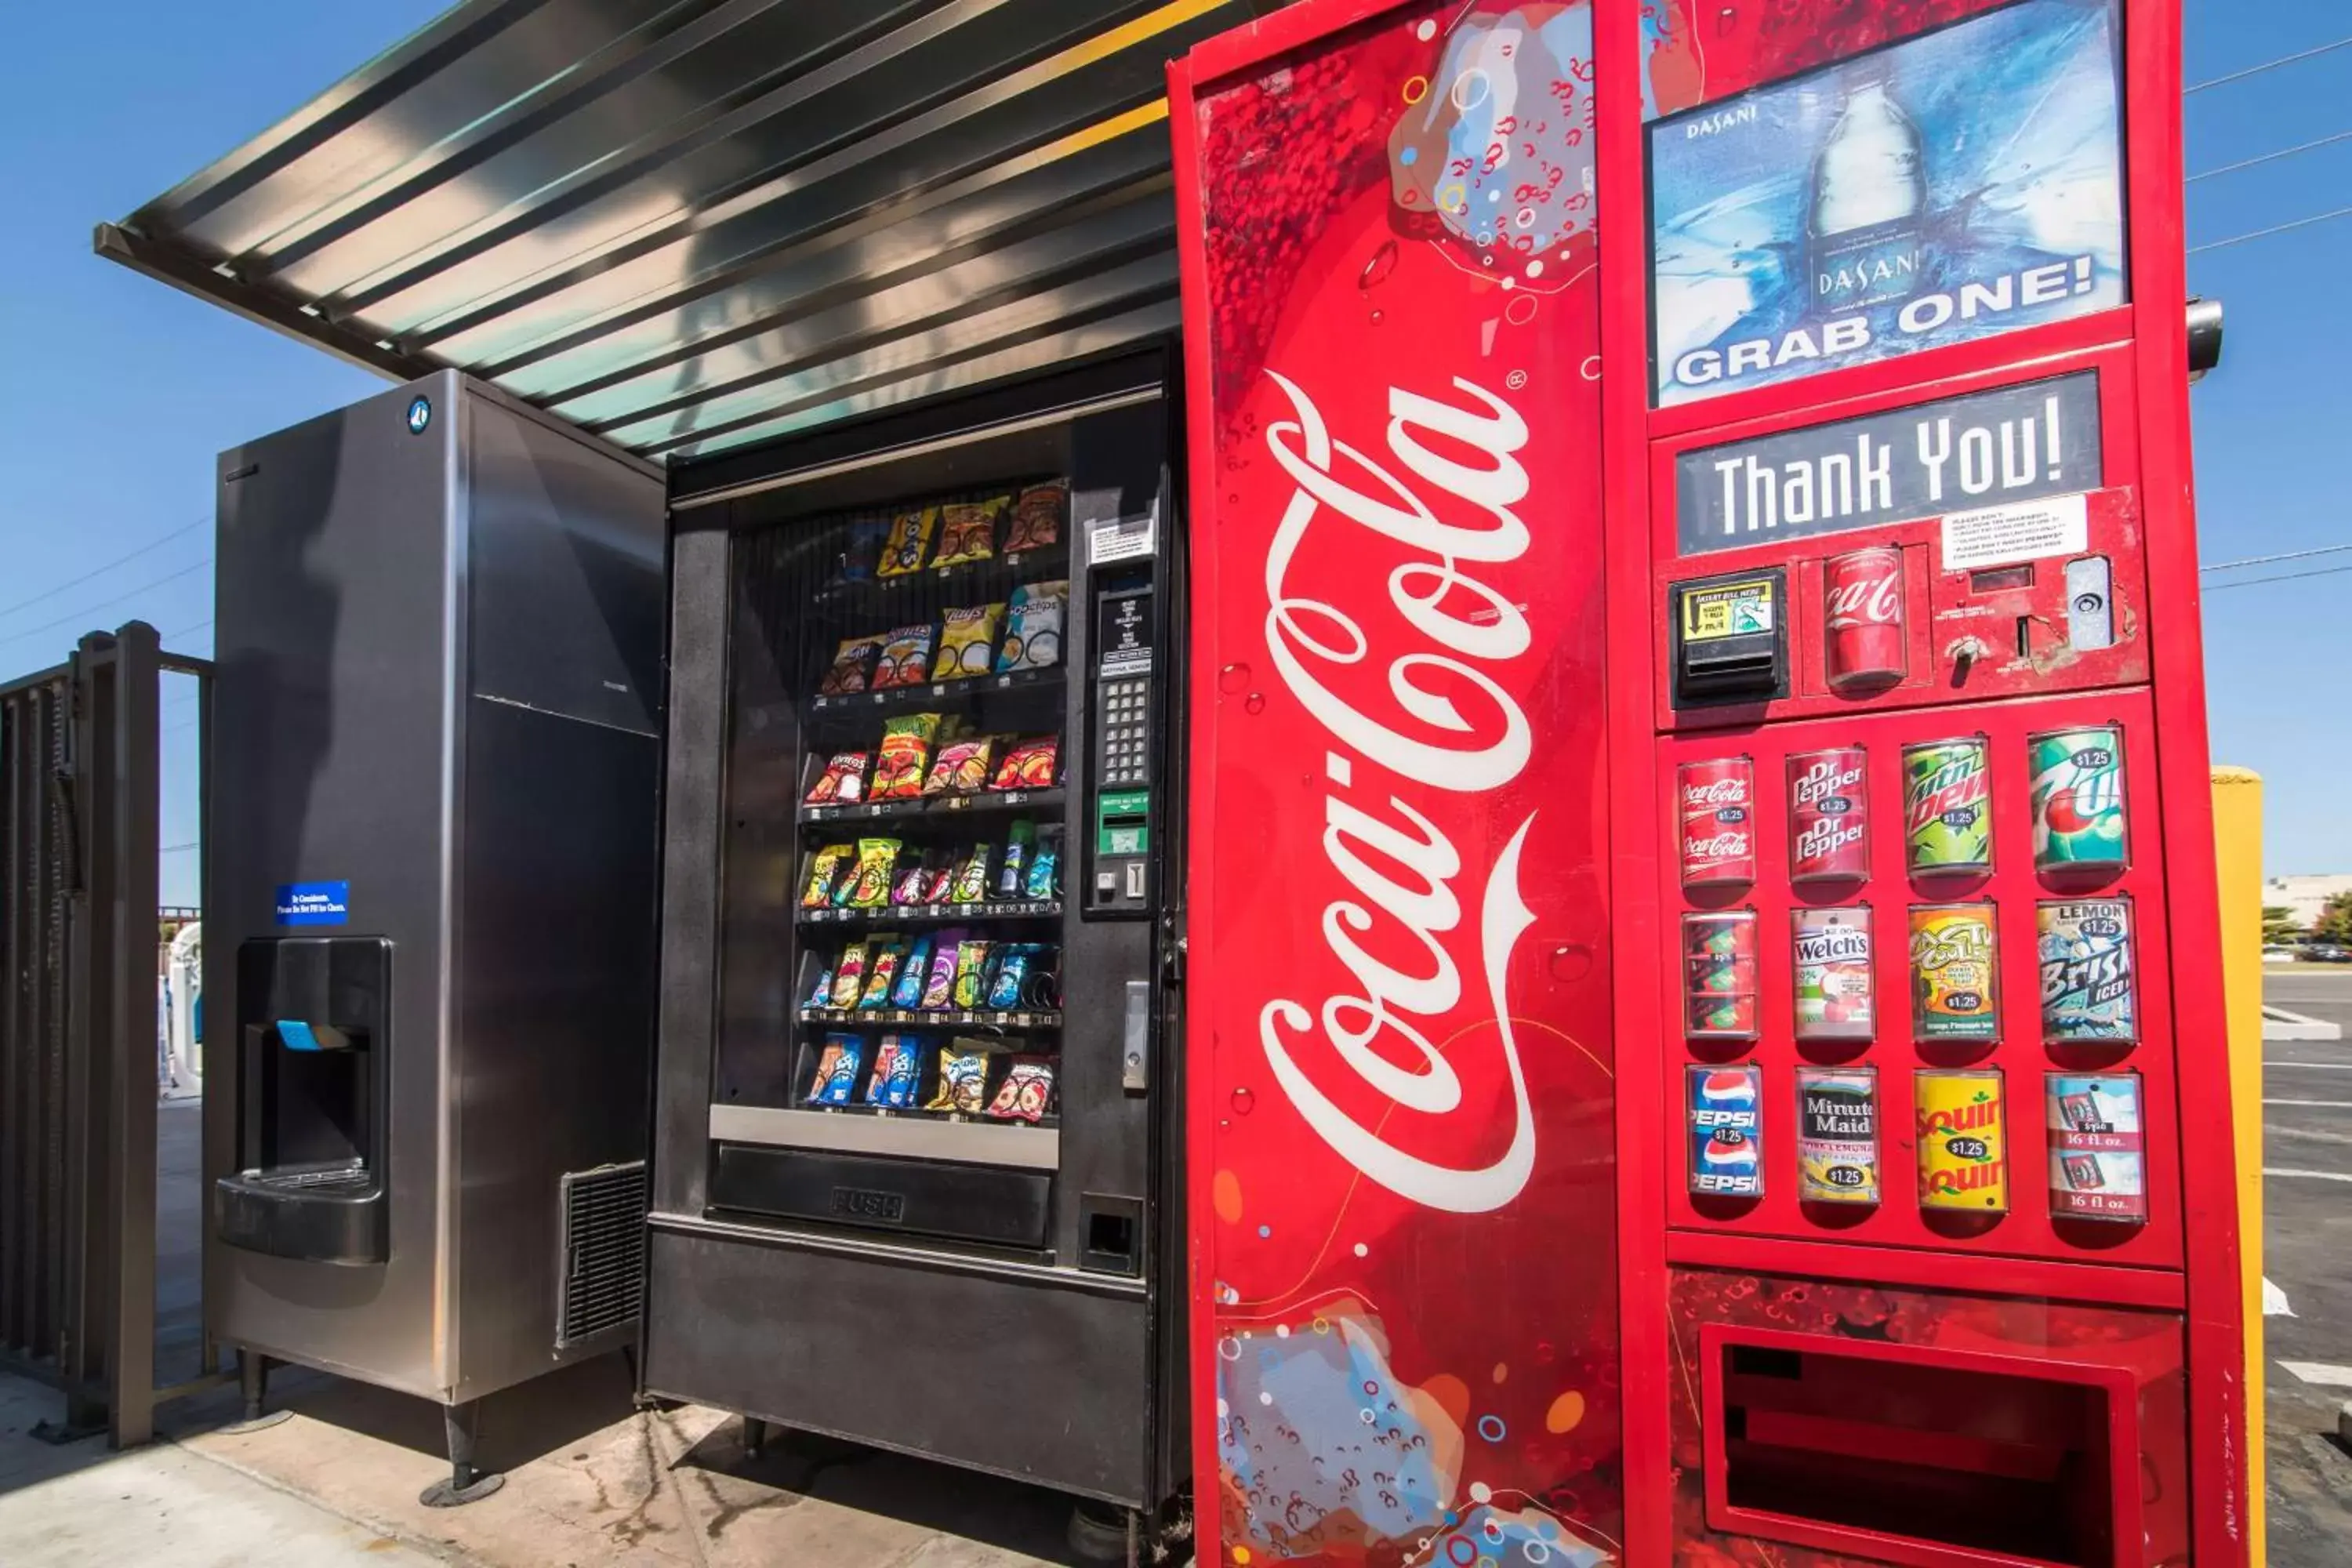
689,225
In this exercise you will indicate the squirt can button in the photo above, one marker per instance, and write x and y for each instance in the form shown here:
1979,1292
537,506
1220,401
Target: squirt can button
1723,1109
1963,1139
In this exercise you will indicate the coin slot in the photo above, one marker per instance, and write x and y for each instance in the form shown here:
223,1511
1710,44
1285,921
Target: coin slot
1998,579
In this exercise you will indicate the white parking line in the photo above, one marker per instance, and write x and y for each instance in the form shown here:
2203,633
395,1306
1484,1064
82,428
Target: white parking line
2326,1374
2315,1104
2313,1067
2315,1175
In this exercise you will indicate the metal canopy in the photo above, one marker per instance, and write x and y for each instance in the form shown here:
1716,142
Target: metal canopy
688,225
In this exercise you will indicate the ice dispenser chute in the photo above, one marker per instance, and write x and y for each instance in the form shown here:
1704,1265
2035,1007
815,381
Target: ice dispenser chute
314,1031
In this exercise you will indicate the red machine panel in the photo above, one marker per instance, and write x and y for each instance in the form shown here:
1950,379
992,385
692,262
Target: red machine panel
1399,1051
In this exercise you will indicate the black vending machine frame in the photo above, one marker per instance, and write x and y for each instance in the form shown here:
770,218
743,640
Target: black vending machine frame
1052,1365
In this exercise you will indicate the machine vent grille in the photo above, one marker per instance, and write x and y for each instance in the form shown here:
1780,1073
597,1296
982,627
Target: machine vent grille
604,1251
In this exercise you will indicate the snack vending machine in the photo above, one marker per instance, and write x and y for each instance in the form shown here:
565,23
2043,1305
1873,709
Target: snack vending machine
913,1155
1711,1050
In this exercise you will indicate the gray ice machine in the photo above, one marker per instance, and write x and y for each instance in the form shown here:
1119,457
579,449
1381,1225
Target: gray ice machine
430,925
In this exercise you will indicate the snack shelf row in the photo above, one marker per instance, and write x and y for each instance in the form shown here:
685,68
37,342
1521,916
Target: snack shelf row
934,914
936,805
910,1134
891,699
1021,1018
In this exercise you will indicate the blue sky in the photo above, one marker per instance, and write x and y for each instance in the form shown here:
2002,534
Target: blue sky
122,389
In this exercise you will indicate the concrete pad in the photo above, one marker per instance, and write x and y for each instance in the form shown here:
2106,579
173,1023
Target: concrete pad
75,1504
592,1481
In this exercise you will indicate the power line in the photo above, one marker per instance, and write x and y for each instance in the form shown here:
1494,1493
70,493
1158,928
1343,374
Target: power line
2266,560
2274,228
84,614
99,571
2270,157
2265,66
2281,577
183,631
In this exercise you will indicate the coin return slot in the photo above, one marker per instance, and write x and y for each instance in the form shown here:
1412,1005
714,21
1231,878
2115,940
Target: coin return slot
1879,1452
1112,1225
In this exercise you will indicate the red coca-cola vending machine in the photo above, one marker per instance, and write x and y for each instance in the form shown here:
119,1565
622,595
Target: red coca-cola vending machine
1705,1027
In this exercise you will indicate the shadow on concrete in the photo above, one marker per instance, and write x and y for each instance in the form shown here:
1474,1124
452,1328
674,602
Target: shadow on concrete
29,1459
943,1499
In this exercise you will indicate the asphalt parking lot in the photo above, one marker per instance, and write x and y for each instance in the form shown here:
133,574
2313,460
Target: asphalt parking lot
2308,1237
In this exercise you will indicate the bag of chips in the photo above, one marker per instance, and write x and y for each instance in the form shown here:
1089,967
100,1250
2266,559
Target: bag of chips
909,540
970,975
825,868
1012,972
906,752
1015,859
1037,517
898,1070
909,991
967,637
1028,1093
967,530
941,880
884,954
851,669
842,782
849,976
963,1081
863,552
869,888
970,886
961,766
938,989
821,994
904,656
1043,879
1033,627
836,1070
1029,764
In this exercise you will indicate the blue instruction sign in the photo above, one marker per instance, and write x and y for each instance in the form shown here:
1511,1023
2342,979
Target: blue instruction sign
314,903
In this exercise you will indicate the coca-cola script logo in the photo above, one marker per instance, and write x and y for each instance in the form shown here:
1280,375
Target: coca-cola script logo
1429,740
1867,601
1716,846
1715,793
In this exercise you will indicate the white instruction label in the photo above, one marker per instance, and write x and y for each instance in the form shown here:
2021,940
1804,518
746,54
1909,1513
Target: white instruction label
2022,530
1123,538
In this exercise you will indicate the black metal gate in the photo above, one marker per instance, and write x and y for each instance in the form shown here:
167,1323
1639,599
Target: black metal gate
79,823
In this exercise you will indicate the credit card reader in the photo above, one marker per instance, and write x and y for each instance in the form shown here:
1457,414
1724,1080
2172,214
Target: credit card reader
1125,743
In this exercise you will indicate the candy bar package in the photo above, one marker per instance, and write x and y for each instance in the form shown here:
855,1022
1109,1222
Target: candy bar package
967,637
1043,878
967,530
1037,517
826,869
961,766
906,751
864,551
897,1071
1017,848
851,669
1033,627
842,782
870,888
1028,1093
908,882
963,1081
849,976
909,540
836,1070
906,654
1012,971
884,954
970,975
1029,764
970,885
938,989
821,994
940,878
908,990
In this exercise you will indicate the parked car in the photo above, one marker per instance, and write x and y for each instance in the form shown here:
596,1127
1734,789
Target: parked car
2326,953
2278,955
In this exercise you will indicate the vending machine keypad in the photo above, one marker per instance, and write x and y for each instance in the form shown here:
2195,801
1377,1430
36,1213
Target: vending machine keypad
1123,752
